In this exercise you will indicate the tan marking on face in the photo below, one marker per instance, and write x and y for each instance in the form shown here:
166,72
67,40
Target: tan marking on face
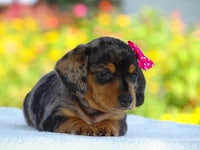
133,94
131,68
102,97
111,67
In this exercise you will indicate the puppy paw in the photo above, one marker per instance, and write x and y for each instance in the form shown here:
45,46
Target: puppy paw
86,130
107,128
103,131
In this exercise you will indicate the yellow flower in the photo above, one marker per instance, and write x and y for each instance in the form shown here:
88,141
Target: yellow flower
166,117
177,41
31,24
10,45
197,111
73,37
54,55
2,28
18,24
2,70
104,19
155,55
27,55
189,118
2,50
51,37
123,20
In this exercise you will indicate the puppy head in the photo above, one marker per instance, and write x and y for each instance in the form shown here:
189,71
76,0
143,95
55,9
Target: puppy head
105,73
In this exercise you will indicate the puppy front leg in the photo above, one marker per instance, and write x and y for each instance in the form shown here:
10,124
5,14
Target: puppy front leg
108,127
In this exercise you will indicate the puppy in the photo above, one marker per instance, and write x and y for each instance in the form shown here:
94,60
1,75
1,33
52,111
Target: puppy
89,92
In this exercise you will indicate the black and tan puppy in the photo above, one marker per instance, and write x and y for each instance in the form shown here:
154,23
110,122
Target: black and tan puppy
89,92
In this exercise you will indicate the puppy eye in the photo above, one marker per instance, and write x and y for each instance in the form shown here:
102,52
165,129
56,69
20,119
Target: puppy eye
104,75
134,76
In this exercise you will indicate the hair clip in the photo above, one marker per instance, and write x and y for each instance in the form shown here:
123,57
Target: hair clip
143,62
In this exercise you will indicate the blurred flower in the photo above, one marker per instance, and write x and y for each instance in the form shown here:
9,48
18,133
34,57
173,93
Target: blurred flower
52,22
54,55
2,71
14,10
105,6
123,20
51,37
76,37
10,45
193,118
177,24
166,117
80,10
104,19
27,56
18,24
31,24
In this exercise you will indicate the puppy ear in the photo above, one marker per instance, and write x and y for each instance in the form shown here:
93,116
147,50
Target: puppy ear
72,69
140,88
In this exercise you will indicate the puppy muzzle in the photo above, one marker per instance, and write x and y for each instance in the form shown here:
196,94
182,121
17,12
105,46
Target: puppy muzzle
125,100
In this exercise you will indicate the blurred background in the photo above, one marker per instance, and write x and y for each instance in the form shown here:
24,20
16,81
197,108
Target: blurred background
34,34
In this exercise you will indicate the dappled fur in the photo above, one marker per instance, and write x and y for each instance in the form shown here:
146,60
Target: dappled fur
89,92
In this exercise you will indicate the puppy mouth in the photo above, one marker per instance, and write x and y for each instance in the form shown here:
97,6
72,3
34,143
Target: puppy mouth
124,109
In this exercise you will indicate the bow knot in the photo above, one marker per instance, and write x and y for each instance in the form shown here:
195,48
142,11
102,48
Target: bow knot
143,62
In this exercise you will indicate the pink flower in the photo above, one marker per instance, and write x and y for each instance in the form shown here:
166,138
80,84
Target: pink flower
80,10
143,62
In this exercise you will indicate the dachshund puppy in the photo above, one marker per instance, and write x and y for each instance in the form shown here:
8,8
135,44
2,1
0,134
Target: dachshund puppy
89,92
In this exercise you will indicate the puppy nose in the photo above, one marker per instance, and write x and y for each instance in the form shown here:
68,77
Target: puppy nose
125,100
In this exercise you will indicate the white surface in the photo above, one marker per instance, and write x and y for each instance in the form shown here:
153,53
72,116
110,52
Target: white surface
143,134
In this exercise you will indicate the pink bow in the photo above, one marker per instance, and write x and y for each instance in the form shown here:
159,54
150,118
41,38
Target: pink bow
143,62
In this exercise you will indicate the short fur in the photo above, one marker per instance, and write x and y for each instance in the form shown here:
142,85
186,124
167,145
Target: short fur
89,92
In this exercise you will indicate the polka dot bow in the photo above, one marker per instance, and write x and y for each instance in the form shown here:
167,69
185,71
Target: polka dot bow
143,62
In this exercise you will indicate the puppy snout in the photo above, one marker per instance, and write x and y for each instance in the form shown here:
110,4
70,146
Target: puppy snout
125,100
